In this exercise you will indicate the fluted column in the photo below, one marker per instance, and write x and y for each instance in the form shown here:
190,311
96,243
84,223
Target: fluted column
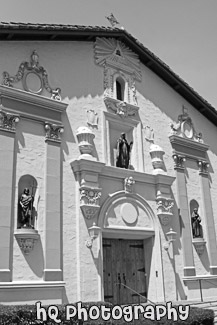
53,217
189,268
208,215
7,139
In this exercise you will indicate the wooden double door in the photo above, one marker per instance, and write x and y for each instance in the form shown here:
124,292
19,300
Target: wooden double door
124,271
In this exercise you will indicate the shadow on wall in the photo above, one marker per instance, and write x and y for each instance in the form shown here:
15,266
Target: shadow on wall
177,226
35,259
169,102
67,136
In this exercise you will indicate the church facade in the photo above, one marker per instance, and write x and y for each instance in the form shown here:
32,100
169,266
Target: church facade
108,171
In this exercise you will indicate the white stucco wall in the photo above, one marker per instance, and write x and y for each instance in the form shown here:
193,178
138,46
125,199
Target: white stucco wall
71,66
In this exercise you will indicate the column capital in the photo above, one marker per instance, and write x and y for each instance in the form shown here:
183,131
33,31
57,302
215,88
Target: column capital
178,161
203,167
53,132
8,121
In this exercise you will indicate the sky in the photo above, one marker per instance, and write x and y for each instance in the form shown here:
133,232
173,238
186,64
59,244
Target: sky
182,33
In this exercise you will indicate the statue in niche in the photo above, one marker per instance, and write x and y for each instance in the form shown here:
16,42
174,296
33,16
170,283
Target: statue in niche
26,209
123,152
196,226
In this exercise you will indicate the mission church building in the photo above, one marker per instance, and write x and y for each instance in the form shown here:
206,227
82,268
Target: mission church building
108,171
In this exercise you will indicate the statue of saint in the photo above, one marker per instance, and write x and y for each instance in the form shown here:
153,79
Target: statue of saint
123,152
26,208
196,226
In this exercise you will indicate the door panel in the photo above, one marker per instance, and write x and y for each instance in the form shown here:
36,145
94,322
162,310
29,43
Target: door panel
124,271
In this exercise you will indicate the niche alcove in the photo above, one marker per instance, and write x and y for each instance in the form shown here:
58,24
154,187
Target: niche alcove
27,207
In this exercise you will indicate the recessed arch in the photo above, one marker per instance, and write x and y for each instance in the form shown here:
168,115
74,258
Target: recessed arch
122,197
148,237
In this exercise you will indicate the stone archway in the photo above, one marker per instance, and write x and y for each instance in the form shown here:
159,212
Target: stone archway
131,254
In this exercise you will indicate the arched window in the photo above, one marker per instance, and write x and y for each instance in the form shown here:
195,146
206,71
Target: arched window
120,88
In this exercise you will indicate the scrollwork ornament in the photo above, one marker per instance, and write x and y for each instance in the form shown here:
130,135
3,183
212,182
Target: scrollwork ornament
185,128
164,205
90,195
178,161
32,67
120,108
106,80
8,121
203,167
26,245
92,118
133,87
53,131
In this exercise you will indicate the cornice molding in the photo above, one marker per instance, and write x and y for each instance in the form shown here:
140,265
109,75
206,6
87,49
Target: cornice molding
188,148
120,173
30,105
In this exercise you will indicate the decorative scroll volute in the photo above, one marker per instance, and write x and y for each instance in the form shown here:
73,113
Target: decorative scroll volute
203,167
8,121
89,201
164,210
120,108
185,128
53,132
178,161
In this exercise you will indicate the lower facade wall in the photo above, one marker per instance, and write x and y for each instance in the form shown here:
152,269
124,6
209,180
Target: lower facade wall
23,293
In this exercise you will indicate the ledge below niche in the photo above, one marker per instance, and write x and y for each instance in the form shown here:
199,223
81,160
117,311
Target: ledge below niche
26,238
199,244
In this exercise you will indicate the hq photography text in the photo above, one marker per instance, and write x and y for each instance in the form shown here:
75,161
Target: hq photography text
128,313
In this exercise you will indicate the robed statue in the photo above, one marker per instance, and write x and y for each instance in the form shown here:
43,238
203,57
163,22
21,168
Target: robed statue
123,152
196,226
26,209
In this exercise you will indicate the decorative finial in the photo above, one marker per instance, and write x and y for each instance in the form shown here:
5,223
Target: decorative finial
113,21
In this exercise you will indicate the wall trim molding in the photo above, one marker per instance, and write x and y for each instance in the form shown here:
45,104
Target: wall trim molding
30,105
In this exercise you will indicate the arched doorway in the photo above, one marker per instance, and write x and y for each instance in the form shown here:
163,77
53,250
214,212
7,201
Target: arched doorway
130,249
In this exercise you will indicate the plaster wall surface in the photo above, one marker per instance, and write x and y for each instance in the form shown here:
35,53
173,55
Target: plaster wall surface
30,160
71,66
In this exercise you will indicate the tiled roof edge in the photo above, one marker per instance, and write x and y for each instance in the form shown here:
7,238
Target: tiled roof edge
113,30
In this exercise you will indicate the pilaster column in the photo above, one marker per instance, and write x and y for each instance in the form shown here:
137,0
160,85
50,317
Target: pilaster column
208,215
53,217
7,139
189,268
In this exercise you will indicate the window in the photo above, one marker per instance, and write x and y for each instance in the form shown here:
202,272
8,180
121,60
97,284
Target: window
120,88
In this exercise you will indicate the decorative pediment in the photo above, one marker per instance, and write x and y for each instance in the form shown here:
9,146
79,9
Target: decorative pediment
185,128
33,76
186,142
117,54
